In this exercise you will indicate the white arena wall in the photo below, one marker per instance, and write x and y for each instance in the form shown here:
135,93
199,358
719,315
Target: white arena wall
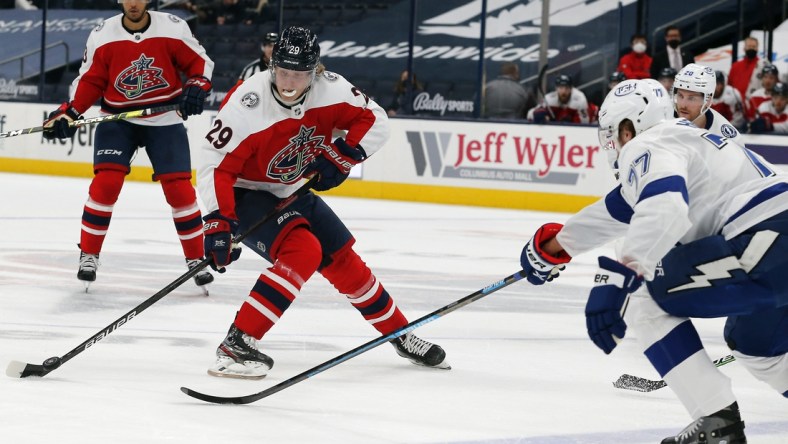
508,165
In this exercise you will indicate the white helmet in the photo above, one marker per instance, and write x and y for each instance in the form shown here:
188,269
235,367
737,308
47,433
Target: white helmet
644,102
696,78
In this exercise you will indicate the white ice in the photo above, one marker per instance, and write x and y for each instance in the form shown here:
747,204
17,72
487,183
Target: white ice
523,369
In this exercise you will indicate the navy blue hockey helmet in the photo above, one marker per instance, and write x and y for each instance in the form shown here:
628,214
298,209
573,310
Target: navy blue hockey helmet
270,37
667,72
617,76
296,50
770,69
563,80
780,89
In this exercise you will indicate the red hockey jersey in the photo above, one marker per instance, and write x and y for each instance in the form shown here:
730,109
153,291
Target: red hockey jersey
138,70
257,143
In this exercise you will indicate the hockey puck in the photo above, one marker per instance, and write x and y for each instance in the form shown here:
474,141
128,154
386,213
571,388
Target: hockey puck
52,363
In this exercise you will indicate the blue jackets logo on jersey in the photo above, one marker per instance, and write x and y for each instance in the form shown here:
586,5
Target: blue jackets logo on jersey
140,78
290,162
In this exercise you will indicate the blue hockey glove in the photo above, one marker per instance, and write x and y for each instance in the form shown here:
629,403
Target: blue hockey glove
761,125
541,115
607,303
56,126
539,266
333,165
193,96
219,232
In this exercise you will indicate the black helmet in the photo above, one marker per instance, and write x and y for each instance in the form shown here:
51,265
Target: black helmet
770,69
270,37
296,50
780,89
563,80
667,72
617,76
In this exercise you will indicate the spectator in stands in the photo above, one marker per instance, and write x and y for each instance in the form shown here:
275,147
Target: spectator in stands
261,64
674,56
615,78
565,104
769,78
728,102
636,64
231,12
773,115
666,77
505,97
402,103
744,74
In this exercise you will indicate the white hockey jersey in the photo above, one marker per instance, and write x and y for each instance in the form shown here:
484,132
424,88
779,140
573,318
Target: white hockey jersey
730,105
129,71
257,143
678,183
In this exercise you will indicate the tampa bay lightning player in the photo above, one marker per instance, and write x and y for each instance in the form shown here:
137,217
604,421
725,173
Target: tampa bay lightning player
704,224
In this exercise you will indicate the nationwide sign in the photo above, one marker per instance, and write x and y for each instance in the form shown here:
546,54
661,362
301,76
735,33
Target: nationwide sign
446,47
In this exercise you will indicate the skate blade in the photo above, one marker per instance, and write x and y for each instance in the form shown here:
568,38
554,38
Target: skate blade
234,375
238,371
444,365
204,289
87,286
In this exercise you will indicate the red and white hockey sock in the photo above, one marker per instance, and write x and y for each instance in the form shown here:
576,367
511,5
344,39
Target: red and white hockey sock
378,308
297,258
351,277
97,213
180,194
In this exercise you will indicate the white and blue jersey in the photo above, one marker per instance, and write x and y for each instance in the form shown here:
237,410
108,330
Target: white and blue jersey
678,183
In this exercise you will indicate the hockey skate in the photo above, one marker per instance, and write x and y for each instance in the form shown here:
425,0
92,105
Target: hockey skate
722,427
239,357
420,352
88,264
203,277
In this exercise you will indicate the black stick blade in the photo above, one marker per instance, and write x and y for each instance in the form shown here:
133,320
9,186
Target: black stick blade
218,399
629,382
18,369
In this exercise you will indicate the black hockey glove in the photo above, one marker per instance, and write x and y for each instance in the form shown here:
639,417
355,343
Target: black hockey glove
219,233
333,166
195,90
56,126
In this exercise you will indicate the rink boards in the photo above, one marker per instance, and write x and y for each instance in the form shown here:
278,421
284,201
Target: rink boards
507,165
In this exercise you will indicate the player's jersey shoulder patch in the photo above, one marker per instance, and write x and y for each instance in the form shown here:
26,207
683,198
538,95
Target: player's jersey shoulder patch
330,76
728,131
99,27
173,18
250,100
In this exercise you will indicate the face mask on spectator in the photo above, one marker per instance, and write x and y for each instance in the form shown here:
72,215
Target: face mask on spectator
639,47
674,43
751,53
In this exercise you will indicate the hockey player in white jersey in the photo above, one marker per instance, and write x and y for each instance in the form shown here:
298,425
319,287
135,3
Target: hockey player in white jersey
693,95
704,223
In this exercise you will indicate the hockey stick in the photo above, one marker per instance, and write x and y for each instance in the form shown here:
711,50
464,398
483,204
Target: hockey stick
630,382
539,79
81,122
247,399
18,369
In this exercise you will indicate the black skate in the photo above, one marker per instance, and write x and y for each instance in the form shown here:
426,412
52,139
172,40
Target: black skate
88,264
420,352
723,427
203,277
239,357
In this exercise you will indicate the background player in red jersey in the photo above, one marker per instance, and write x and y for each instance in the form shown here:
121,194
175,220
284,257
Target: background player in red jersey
133,61
275,129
